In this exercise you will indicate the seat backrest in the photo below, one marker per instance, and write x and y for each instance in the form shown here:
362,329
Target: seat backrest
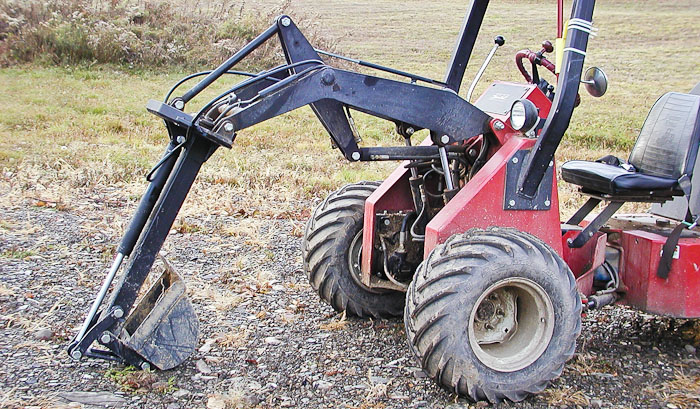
667,145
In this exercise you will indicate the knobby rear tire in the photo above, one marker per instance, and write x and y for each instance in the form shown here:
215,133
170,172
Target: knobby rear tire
331,230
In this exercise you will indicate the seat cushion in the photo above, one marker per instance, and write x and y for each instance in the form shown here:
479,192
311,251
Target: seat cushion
596,177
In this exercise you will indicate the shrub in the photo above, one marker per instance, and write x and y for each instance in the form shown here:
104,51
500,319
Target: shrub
136,33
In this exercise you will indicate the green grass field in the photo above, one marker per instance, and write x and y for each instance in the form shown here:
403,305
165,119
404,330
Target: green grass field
66,131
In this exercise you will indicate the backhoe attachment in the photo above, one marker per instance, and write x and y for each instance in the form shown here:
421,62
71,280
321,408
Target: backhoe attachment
161,330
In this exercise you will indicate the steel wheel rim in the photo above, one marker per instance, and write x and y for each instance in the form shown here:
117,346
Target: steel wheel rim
355,263
511,324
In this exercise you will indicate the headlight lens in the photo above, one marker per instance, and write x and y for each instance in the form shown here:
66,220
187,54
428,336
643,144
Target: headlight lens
517,115
524,115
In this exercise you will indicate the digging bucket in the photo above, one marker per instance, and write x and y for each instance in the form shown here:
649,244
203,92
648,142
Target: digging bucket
163,328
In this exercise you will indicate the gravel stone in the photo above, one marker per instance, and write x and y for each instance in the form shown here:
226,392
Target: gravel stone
43,334
239,312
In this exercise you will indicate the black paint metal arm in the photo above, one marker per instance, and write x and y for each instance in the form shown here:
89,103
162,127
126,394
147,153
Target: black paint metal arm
228,64
465,44
392,100
161,220
595,225
583,211
564,102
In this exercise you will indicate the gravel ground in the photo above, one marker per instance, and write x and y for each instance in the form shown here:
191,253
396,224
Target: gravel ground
266,339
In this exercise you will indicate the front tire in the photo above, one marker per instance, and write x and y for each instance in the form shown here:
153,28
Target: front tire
493,314
331,251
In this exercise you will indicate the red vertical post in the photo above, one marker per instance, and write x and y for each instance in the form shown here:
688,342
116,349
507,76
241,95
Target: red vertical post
560,18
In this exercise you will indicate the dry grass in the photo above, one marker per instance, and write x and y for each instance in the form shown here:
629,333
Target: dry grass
336,325
683,390
565,396
588,364
691,332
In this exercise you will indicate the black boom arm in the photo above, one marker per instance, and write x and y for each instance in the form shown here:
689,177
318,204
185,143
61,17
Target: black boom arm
307,80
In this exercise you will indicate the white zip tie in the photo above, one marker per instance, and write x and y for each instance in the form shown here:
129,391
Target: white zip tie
575,50
585,30
583,25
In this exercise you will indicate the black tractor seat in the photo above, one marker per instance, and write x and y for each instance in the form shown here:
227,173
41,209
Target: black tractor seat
659,167
612,181
667,141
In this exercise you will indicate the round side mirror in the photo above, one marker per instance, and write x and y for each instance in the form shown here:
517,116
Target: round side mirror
595,81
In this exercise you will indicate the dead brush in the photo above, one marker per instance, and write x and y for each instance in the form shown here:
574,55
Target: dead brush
134,33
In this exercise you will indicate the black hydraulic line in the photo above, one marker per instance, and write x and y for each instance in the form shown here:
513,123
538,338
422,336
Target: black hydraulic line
199,74
564,102
390,70
148,200
245,83
228,64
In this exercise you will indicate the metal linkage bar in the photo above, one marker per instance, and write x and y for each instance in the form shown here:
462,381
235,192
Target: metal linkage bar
583,211
413,77
451,115
595,225
163,215
465,44
228,64
406,153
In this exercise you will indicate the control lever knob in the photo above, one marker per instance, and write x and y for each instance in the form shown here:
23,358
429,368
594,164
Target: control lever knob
547,46
499,40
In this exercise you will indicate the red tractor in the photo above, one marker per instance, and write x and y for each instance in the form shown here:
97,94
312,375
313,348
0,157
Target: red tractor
464,238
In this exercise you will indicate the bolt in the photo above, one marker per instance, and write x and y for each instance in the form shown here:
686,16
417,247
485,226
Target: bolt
445,139
286,21
511,203
105,338
145,366
356,156
515,160
179,104
118,313
328,78
472,152
76,355
387,222
488,326
499,126
181,139
228,126
551,163
547,202
410,131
